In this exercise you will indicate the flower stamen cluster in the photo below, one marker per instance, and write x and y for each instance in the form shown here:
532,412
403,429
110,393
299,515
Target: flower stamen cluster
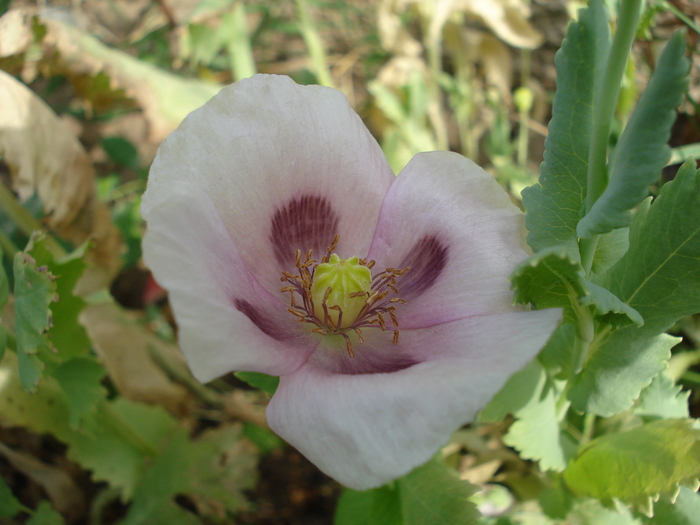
364,307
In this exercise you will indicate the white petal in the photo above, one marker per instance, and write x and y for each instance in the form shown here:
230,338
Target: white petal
286,166
365,430
457,228
226,320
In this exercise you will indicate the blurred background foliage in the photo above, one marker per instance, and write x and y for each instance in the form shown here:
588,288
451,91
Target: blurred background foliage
115,77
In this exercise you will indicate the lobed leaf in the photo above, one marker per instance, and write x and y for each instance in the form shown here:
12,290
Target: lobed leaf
638,465
80,380
35,289
662,399
431,494
685,510
606,304
9,505
620,365
641,151
45,514
554,204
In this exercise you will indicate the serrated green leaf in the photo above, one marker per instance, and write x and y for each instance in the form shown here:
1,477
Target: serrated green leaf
67,335
610,249
550,278
641,152
637,465
80,378
264,382
606,304
45,515
554,204
536,433
591,512
556,501
214,470
684,511
621,364
9,505
662,399
660,276
4,285
35,289
520,388
431,494
557,356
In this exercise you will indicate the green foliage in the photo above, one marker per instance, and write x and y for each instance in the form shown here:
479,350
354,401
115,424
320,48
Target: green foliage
215,470
641,152
610,249
45,515
591,512
66,333
429,494
79,379
637,465
661,279
264,382
621,363
605,304
685,510
121,151
554,204
662,399
9,505
532,397
35,289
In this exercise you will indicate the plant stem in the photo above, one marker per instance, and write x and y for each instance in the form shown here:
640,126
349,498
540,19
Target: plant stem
25,221
607,93
314,44
239,49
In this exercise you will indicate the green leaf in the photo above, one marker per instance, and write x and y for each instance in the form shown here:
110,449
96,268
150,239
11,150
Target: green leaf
214,470
684,511
591,512
121,151
550,278
661,281
558,354
264,382
637,465
9,505
4,286
35,289
67,335
641,152
610,249
520,388
45,515
660,276
662,399
620,365
430,494
536,433
554,204
80,378
606,304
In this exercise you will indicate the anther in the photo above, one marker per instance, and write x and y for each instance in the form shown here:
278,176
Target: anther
395,339
382,324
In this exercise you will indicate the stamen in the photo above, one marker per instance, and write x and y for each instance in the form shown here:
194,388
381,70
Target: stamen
371,310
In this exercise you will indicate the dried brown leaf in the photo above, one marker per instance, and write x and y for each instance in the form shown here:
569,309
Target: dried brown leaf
45,157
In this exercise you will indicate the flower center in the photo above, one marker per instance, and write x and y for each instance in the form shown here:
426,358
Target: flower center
340,296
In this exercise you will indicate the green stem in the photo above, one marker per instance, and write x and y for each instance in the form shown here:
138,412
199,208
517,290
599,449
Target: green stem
8,247
314,44
239,48
111,418
588,428
25,221
607,93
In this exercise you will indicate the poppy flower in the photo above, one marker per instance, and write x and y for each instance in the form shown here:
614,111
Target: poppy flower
289,247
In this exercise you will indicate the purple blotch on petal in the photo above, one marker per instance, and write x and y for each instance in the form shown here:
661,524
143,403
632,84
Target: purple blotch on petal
367,360
304,223
265,324
427,259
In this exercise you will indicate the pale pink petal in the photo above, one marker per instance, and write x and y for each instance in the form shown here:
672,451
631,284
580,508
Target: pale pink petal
286,166
365,430
226,320
459,232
